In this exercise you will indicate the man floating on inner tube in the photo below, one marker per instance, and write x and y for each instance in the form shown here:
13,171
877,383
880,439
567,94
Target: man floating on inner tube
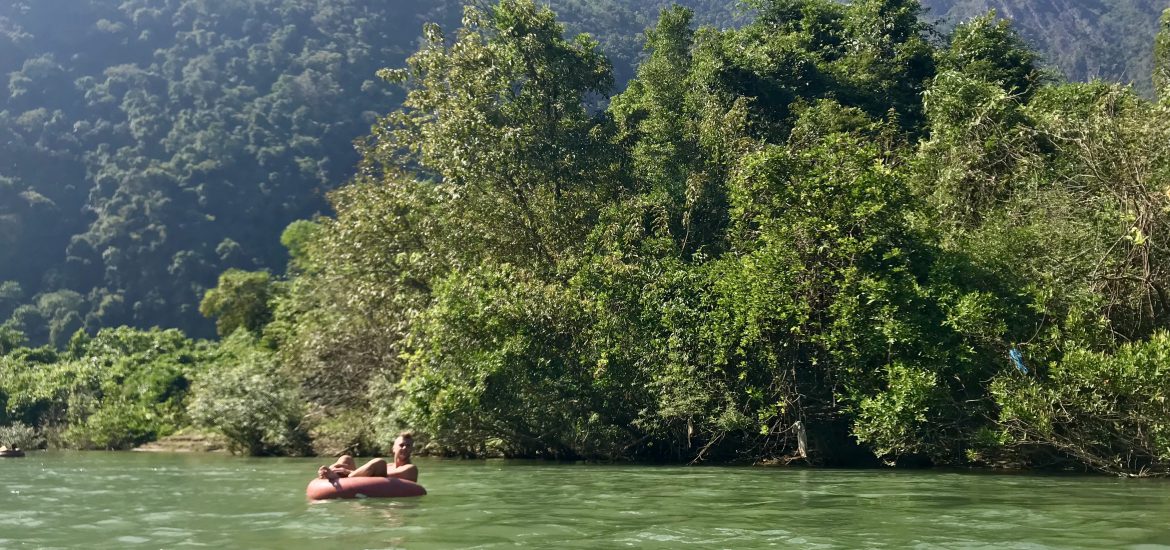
378,467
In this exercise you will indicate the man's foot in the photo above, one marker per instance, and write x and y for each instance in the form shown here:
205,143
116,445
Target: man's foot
325,473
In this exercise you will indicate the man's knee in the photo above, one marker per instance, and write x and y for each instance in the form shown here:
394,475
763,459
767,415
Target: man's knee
375,467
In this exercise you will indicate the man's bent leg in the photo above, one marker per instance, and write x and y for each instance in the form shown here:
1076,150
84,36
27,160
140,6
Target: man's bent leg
373,468
345,461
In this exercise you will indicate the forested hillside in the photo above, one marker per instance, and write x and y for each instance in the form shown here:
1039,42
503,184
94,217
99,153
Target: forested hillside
148,145
1084,40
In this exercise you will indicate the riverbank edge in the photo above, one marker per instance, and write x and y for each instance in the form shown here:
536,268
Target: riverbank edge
186,441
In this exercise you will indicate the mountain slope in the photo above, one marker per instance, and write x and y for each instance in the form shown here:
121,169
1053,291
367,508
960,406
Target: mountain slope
1085,39
148,145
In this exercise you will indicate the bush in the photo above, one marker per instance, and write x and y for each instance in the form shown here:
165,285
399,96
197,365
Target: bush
345,431
20,436
117,424
895,420
1107,412
121,388
243,397
498,364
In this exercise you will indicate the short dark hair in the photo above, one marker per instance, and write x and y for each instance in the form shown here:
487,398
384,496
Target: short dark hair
406,434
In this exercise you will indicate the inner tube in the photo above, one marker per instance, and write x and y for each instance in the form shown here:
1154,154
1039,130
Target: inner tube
362,487
11,453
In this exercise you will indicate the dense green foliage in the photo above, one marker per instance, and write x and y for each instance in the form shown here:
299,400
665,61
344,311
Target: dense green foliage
241,300
115,390
151,145
125,387
824,223
817,220
242,396
1108,411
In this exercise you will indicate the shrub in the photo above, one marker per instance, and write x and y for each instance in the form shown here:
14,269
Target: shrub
1107,412
243,397
20,435
117,424
347,431
121,388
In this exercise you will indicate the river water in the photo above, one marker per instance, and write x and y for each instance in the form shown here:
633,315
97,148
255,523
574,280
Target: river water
156,500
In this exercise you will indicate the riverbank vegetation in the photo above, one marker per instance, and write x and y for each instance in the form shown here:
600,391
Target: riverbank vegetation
826,223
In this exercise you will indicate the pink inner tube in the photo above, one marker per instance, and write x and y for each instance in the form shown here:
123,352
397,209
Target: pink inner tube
361,487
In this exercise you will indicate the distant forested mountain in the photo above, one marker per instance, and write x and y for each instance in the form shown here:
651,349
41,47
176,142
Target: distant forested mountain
1085,39
148,145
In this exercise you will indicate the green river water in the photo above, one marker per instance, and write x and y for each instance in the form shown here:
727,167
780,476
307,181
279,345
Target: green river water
155,500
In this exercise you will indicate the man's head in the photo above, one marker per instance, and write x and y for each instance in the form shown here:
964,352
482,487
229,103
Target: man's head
403,446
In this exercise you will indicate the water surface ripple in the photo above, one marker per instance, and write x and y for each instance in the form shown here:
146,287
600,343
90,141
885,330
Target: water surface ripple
147,500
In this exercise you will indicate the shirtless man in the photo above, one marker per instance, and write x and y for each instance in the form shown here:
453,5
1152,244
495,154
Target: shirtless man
378,467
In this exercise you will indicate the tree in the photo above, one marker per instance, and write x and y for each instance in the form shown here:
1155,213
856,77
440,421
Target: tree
498,119
10,338
10,296
888,60
1104,411
992,51
242,299
297,238
1084,41
680,136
